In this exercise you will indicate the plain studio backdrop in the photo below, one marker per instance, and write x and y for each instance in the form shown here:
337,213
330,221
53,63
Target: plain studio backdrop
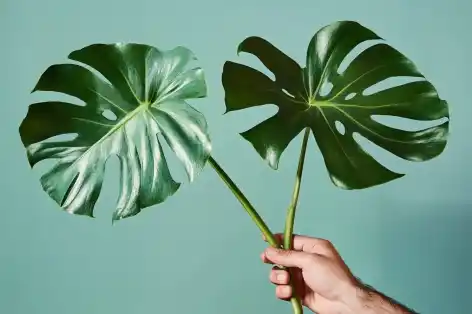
199,252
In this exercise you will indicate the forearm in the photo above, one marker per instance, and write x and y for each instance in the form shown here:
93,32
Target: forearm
367,300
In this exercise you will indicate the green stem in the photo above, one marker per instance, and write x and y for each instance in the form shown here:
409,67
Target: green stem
290,220
245,202
296,304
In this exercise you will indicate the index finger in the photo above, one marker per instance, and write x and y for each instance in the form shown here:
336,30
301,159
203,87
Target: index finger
308,244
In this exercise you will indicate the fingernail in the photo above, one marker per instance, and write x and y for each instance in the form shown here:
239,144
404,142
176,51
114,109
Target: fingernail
280,277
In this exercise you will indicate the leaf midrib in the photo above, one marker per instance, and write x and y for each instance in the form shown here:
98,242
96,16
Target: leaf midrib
142,106
116,127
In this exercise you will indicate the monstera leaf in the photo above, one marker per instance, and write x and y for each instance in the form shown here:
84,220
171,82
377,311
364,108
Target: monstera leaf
145,88
298,94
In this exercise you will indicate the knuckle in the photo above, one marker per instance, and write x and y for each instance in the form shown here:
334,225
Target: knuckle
326,243
285,253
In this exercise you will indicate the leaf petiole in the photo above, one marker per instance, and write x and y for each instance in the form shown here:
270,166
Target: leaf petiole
244,202
290,219
296,304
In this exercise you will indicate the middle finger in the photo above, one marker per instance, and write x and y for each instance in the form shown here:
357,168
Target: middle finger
279,277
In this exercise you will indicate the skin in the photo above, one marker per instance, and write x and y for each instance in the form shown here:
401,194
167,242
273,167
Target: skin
323,281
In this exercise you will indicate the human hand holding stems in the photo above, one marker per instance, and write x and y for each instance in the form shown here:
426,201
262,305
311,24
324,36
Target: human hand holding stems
323,281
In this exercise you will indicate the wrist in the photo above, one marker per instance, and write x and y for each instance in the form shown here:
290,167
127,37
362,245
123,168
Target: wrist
362,299
353,299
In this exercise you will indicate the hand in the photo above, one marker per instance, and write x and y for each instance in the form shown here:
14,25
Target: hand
321,278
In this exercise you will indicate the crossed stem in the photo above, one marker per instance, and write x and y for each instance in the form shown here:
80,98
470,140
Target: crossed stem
290,219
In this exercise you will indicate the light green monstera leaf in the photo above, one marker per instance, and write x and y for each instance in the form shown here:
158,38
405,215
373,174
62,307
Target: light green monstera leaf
146,89
297,93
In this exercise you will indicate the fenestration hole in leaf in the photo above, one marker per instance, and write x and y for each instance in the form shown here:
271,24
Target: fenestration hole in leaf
350,96
405,123
326,88
46,164
109,115
254,62
390,83
176,168
94,71
287,93
61,138
340,127
355,52
111,185
243,120
381,155
43,96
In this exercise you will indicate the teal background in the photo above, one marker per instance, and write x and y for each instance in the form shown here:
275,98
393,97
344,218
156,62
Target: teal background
199,252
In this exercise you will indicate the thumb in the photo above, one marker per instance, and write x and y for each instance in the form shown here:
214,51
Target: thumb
288,258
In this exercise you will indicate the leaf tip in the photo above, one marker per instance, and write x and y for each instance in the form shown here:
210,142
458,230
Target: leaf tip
273,164
243,44
269,154
73,55
38,83
114,218
254,43
239,49
359,185
227,110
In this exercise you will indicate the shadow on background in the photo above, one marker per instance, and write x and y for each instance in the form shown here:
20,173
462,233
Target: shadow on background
426,257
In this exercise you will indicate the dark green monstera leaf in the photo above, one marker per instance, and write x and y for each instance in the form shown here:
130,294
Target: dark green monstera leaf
146,89
297,93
